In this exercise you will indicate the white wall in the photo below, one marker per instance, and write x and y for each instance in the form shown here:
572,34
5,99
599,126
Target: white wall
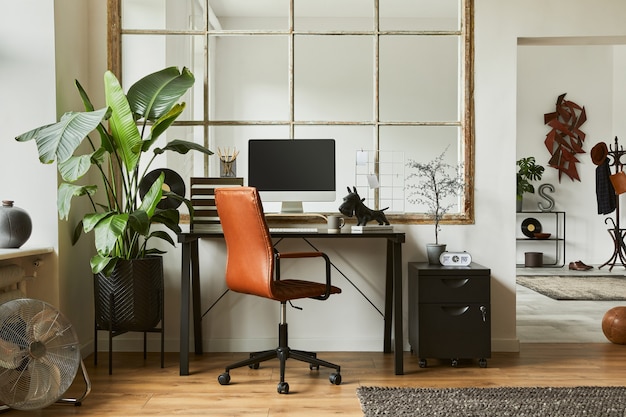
498,26
80,40
346,322
591,77
27,81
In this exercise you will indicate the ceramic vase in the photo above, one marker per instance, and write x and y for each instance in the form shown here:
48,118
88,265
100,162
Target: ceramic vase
15,225
434,250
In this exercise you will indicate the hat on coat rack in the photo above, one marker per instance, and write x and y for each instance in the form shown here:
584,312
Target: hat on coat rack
599,153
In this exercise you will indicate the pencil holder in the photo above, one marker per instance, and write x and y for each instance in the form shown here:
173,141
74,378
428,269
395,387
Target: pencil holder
228,168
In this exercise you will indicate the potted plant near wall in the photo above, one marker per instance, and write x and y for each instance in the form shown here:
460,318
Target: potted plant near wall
434,185
527,170
125,209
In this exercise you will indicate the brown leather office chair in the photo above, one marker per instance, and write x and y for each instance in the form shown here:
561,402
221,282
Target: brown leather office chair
253,267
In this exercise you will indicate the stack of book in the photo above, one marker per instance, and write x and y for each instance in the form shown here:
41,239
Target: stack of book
372,228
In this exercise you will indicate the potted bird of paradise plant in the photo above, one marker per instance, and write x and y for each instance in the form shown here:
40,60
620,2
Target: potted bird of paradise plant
123,216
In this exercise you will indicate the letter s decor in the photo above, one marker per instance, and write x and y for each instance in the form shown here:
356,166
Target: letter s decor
549,199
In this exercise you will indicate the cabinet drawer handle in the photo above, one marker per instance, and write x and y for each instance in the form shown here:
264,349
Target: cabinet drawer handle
483,311
455,282
455,310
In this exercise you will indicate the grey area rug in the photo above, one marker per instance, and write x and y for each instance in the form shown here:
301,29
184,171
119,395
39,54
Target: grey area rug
577,287
491,402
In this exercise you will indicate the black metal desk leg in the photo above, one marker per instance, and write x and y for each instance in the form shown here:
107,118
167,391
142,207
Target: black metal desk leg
184,308
195,298
398,350
388,297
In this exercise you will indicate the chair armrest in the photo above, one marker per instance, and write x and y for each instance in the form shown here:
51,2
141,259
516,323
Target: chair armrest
302,255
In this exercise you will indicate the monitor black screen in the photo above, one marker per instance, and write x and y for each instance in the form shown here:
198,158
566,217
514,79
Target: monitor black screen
292,170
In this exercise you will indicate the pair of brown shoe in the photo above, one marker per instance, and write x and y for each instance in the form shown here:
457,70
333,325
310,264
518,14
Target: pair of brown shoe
579,266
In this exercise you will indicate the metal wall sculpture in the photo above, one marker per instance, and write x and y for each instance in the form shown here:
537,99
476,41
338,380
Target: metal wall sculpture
565,139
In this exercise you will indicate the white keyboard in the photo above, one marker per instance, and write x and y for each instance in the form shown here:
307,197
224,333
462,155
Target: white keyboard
293,229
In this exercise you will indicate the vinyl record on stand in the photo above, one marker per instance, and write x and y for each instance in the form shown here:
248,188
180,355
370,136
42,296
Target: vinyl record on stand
530,226
172,182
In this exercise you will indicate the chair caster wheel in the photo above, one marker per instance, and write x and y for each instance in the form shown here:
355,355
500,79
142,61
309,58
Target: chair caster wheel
224,379
423,363
253,366
455,363
314,367
335,379
283,388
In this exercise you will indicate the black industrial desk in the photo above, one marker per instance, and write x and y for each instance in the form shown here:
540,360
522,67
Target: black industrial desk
190,287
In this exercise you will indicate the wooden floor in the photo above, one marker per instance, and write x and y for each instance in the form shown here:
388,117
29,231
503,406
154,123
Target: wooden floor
142,388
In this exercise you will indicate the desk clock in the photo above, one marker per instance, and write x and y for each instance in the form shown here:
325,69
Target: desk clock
455,259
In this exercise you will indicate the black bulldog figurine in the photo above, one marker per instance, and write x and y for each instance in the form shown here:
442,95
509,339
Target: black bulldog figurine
353,205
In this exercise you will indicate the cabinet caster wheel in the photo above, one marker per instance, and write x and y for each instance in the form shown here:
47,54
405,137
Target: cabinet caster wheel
455,363
224,379
423,363
283,388
314,367
335,379
482,363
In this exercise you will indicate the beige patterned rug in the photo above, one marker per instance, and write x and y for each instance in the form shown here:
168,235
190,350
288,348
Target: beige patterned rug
592,288
494,402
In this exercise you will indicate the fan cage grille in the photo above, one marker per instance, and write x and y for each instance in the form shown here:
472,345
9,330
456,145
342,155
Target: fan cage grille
39,354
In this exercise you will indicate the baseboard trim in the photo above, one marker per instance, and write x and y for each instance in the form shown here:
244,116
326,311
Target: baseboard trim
505,345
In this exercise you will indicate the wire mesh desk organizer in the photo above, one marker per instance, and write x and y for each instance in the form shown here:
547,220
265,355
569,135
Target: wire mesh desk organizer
380,179
618,181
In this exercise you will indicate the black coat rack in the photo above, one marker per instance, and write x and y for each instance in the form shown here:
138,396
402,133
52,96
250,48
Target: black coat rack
618,234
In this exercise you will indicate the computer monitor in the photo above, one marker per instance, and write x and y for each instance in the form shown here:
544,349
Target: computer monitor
291,171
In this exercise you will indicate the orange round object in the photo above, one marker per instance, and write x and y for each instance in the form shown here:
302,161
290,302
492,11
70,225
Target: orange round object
614,325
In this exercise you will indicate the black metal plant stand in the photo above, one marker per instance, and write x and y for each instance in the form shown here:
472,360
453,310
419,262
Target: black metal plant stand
617,233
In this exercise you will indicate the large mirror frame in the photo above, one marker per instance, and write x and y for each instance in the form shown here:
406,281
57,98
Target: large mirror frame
464,124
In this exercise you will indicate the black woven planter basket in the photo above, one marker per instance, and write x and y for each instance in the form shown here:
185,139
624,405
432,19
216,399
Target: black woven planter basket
131,299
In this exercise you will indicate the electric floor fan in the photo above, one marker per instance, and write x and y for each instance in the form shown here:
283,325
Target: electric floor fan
39,356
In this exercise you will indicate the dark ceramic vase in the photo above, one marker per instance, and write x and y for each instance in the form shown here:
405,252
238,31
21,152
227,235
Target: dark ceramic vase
15,225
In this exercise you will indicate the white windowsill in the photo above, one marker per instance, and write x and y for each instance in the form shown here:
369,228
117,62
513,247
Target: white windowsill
24,251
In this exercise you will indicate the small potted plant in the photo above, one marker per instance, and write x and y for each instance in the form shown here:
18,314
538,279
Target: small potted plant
527,170
434,185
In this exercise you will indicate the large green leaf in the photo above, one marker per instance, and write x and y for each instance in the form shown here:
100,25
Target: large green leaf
124,131
58,141
65,194
84,97
104,264
91,220
153,196
75,167
107,231
162,124
154,95
160,234
78,231
104,135
182,147
139,222
169,218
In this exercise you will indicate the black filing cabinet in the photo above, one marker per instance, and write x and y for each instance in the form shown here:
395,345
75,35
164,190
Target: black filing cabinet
450,312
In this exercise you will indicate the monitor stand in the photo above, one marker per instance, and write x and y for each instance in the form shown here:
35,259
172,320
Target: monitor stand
288,207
